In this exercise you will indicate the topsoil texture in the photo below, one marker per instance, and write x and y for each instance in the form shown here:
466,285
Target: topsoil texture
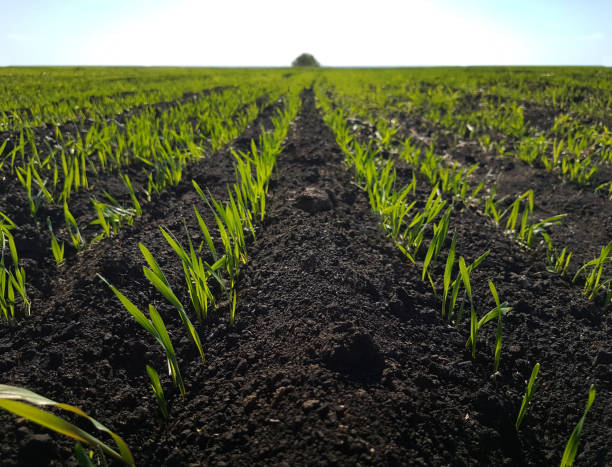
339,355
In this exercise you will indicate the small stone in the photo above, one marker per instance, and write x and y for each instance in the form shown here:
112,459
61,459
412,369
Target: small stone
249,402
313,200
310,404
278,394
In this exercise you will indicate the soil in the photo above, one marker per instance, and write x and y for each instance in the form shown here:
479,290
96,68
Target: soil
339,355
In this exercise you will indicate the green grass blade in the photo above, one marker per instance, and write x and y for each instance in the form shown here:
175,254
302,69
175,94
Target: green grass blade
206,233
11,397
132,309
571,449
527,396
152,263
158,391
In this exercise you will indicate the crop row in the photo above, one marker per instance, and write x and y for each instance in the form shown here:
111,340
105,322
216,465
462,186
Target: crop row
583,93
34,97
410,227
450,177
161,145
162,166
571,149
218,259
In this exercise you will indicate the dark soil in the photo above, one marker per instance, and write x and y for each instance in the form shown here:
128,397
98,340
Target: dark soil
339,355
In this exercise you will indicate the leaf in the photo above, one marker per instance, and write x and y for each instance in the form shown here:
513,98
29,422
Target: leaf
10,397
132,309
152,263
206,233
162,287
465,276
571,449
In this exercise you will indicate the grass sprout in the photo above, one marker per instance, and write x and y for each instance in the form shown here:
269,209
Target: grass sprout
595,280
606,186
84,459
527,397
135,202
498,334
159,281
456,284
197,272
465,277
158,391
448,270
571,449
56,248
156,327
29,176
73,229
558,262
12,276
111,217
436,244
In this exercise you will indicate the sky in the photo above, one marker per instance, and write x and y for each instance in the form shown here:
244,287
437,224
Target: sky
336,32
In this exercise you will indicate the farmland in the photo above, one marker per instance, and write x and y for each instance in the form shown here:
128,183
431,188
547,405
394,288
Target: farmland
298,266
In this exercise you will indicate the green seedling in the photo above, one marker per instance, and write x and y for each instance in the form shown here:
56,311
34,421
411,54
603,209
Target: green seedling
6,221
498,334
2,152
73,229
527,397
12,277
27,178
456,284
84,459
465,277
56,248
231,230
593,270
111,216
159,281
604,186
571,449
135,202
158,391
448,270
514,211
197,272
528,232
437,242
156,327
557,262
491,207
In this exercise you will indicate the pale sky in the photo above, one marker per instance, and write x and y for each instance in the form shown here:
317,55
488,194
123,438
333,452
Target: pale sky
336,32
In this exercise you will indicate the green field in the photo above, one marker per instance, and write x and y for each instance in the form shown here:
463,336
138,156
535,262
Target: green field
307,265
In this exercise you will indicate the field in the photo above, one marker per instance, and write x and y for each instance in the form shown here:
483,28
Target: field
304,266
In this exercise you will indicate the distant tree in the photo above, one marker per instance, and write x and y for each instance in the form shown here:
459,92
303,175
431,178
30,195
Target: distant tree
305,60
